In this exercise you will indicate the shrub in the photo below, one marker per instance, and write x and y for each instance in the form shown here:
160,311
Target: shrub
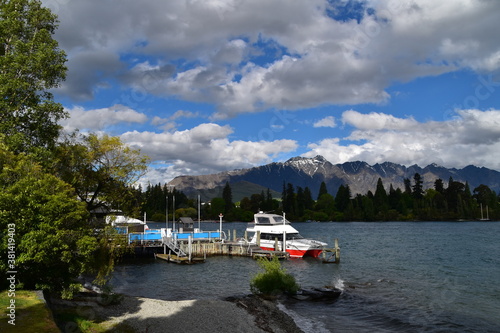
274,280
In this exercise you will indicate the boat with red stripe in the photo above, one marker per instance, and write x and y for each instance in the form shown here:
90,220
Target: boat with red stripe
274,232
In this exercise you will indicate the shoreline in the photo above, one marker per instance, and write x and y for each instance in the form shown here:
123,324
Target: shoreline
245,314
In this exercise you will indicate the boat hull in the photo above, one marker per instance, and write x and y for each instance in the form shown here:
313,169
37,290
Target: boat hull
298,253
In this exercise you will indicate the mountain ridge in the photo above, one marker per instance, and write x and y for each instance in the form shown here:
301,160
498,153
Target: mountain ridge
360,176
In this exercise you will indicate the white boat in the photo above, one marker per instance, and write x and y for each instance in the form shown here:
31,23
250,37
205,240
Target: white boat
122,220
276,231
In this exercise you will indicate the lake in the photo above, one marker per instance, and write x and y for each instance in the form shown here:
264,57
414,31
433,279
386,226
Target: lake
396,277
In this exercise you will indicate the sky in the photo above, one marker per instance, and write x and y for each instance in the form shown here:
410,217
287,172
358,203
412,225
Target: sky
204,86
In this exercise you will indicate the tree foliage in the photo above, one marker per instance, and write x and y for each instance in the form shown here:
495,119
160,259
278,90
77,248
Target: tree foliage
31,64
227,195
53,244
100,169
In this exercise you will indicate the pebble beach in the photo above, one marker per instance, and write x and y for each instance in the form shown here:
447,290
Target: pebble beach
249,314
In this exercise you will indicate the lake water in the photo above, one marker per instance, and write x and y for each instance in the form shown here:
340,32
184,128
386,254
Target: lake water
396,277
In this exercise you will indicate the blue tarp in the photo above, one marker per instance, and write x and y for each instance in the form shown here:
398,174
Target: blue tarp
154,235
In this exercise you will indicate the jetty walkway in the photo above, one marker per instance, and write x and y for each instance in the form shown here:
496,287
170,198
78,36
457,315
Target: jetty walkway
194,246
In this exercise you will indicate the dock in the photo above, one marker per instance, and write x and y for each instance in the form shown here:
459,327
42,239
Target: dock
331,255
194,246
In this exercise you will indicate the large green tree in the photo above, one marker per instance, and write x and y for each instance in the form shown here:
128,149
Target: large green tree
31,64
50,241
101,169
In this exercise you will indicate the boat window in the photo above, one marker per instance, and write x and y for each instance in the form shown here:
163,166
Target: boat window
278,219
290,236
263,220
269,236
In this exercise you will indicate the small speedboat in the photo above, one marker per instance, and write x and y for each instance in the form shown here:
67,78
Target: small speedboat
277,234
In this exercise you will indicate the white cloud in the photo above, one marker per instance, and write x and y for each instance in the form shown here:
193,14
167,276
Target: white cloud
376,121
204,51
326,122
204,149
386,138
100,119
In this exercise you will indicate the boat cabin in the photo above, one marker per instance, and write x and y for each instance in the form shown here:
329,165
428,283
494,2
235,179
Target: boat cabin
269,219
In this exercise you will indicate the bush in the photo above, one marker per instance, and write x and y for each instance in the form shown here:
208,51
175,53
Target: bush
274,280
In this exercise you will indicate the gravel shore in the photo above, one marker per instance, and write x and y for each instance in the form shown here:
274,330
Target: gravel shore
249,314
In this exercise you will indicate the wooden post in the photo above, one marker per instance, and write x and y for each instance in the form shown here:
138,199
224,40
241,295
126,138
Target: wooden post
246,236
258,237
234,235
189,247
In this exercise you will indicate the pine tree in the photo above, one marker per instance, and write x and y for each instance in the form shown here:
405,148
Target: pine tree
417,188
322,189
308,200
227,196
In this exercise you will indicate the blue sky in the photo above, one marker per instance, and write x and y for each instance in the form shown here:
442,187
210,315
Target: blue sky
203,86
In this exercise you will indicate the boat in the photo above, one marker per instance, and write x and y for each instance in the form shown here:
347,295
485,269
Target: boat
120,220
273,229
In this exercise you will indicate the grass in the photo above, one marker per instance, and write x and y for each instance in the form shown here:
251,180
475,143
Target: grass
81,319
32,315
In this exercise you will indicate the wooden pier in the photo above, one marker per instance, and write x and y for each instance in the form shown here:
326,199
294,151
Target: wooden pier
196,251
331,255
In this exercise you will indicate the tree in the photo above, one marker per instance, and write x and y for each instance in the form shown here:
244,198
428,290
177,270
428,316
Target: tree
322,189
301,202
439,185
227,195
216,207
326,204
343,197
308,200
269,203
380,199
31,64
407,184
52,242
101,169
417,189
289,204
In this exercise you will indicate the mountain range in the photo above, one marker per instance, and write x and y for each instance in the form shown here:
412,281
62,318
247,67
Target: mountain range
311,172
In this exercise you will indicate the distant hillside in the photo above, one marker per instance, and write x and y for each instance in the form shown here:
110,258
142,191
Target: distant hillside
300,171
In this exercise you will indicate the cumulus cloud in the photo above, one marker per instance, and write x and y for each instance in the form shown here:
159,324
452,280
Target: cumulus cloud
210,51
326,122
376,121
100,119
378,138
204,149
169,123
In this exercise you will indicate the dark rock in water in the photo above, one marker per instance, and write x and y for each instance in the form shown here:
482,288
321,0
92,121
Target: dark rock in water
317,294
